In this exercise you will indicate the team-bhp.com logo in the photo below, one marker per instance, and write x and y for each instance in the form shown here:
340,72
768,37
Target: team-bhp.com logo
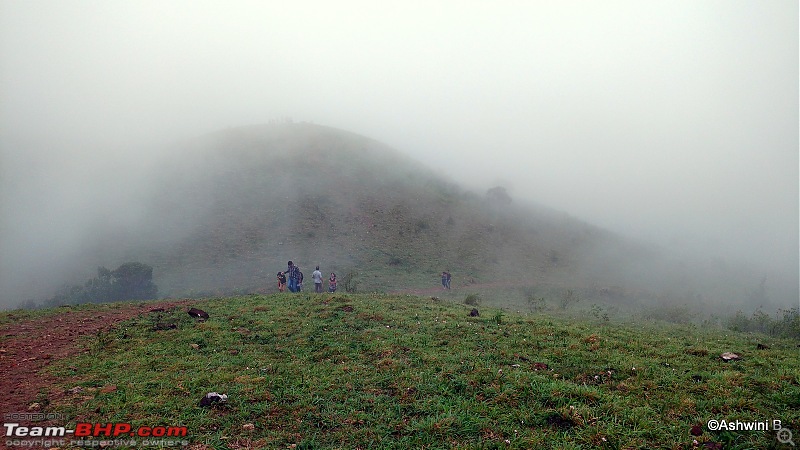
84,429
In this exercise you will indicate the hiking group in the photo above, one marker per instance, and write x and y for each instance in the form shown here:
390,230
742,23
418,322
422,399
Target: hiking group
295,279
446,280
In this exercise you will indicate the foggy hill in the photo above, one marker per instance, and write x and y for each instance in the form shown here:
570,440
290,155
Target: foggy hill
226,211
229,209
234,206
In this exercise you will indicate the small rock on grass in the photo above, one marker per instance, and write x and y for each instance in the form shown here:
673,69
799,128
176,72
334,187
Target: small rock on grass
198,313
212,397
730,356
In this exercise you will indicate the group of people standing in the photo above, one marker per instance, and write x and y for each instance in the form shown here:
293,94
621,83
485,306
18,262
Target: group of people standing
295,279
446,280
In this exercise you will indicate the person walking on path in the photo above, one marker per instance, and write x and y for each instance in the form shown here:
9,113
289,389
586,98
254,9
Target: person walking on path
317,276
447,274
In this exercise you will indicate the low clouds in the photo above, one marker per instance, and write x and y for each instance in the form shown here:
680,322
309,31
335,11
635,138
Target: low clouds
676,122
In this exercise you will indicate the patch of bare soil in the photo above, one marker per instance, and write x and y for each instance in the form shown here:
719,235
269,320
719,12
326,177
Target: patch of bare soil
30,346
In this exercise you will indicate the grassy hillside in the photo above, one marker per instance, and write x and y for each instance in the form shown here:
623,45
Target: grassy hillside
230,210
380,371
223,214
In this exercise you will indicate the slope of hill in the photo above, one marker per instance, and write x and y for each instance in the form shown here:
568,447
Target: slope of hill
359,371
226,211
236,205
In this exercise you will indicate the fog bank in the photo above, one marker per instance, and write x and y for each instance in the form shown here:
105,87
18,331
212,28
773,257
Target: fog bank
675,123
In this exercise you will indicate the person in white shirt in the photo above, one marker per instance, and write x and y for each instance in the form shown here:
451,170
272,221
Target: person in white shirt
317,276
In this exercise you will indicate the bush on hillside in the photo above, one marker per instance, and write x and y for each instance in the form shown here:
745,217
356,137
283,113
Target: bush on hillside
568,299
671,313
472,300
786,323
130,281
535,304
349,282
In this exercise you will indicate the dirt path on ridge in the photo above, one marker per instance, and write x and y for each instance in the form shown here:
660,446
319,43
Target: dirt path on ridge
29,346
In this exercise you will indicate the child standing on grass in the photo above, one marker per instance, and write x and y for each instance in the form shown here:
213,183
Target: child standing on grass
332,283
281,281
299,280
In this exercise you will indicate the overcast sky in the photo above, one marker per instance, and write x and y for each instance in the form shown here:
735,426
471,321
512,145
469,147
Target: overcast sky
676,121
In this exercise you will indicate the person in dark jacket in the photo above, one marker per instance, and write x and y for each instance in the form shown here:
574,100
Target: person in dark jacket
292,271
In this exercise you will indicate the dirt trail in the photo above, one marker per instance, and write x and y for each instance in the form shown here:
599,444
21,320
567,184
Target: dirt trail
29,346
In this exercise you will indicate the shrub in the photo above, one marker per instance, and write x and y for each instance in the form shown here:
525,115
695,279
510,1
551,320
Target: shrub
472,300
568,298
599,312
130,281
739,322
536,304
786,324
498,318
349,282
671,313
789,325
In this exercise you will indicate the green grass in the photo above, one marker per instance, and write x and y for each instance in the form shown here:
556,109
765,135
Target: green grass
379,371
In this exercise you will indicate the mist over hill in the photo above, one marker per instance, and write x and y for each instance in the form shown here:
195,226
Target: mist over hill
224,212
